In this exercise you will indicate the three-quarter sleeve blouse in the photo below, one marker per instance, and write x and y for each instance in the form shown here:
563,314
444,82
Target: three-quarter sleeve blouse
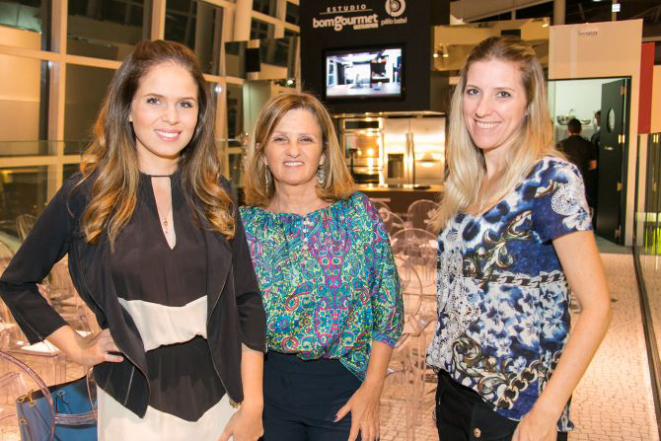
328,280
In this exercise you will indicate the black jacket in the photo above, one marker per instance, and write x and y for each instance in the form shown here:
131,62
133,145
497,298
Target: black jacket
235,311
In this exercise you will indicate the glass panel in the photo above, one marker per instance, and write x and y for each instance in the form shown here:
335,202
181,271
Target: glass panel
105,28
85,89
289,33
268,7
76,147
260,29
292,14
199,26
23,190
24,23
27,148
234,115
24,98
69,170
276,51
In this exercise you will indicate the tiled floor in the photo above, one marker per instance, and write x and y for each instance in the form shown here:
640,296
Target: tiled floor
614,399
612,402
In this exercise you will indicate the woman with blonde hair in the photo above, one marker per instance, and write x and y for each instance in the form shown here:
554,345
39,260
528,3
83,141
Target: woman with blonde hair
512,220
327,275
157,250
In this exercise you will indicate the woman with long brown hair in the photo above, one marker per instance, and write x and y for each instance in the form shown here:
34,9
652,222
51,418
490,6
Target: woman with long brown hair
157,250
512,221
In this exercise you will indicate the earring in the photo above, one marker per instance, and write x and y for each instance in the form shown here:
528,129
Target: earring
267,178
321,176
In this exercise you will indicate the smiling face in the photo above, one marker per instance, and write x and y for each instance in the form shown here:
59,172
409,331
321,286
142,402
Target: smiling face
494,103
294,151
164,114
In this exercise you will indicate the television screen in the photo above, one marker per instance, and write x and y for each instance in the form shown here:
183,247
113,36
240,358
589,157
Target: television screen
364,73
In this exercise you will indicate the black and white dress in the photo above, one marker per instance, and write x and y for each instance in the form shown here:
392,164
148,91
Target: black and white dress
162,287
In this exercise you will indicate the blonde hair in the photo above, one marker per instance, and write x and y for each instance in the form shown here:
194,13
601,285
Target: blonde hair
112,155
338,183
465,162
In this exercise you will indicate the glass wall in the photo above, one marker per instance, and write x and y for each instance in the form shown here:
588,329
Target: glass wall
54,83
647,227
199,26
105,28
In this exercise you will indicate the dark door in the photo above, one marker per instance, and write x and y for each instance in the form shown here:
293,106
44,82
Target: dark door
612,152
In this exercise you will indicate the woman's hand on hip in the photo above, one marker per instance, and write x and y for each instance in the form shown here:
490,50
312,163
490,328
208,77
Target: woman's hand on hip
536,427
88,351
97,349
364,408
245,425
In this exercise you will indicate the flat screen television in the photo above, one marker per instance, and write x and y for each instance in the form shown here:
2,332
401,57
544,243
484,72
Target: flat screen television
364,73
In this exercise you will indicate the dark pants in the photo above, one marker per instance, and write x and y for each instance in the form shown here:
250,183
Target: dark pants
462,415
301,398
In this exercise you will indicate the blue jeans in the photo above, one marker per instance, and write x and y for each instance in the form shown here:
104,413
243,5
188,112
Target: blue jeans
301,398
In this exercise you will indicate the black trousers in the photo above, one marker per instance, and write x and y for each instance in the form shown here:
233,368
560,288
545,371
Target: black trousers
301,398
462,415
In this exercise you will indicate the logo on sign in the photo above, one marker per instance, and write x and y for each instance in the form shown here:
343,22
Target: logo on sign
395,8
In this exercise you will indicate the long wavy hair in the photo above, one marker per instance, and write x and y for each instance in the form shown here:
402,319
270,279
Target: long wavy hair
532,141
338,183
112,157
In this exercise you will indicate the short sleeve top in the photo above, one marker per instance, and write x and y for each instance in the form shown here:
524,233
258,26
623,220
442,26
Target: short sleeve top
328,281
503,299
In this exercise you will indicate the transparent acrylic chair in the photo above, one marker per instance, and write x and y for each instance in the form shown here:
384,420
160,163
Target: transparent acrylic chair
404,389
20,383
392,222
24,223
420,213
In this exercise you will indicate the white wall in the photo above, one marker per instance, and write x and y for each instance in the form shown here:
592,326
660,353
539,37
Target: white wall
583,96
607,49
19,91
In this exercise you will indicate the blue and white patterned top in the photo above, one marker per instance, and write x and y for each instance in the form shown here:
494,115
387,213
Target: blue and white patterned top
503,299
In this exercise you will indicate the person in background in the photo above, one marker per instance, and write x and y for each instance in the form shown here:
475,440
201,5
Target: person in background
157,250
596,136
580,152
514,240
327,275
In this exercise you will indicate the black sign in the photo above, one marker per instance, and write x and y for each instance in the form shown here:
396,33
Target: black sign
370,27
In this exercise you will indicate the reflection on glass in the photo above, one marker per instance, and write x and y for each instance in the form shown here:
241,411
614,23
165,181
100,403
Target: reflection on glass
268,7
647,224
23,98
199,26
24,23
278,53
23,190
27,148
234,114
292,15
85,89
105,28
260,30
69,170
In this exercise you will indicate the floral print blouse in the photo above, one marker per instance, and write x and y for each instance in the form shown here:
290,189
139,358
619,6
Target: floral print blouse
503,299
328,279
